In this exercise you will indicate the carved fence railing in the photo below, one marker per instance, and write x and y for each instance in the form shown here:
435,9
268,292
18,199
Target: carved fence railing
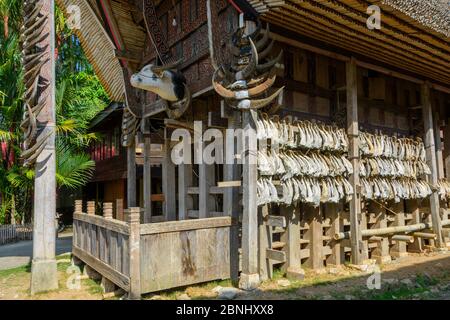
142,258
15,232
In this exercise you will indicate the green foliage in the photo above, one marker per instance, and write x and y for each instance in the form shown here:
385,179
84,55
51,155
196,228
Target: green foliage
74,169
79,97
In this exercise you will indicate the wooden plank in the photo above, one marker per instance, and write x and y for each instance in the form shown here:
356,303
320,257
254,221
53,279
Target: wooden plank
314,235
190,256
276,221
431,161
276,255
105,270
114,225
229,184
353,155
177,226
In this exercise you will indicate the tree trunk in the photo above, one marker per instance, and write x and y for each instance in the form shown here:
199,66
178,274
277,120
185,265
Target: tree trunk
5,26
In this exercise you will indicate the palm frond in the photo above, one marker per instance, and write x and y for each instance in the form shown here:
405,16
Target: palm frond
74,170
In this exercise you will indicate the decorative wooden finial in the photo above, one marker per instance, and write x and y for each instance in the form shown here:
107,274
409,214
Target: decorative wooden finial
108,210
134,215
79,206
91,207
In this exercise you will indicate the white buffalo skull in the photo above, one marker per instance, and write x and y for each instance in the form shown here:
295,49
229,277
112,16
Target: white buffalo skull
165,81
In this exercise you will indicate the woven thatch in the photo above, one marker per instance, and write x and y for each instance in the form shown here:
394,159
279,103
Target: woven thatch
434,14
98,48
413,34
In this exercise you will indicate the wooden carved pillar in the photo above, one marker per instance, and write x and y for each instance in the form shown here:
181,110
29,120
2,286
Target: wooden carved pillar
353,155
249,276
431,160
39,146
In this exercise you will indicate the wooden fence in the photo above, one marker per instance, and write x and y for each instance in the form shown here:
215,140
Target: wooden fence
142,258
15,232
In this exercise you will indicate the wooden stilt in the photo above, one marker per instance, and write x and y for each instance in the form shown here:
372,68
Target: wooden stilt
185,202
431,160
291,238
353,154
265,242
337,250
315,237
381,252
399,248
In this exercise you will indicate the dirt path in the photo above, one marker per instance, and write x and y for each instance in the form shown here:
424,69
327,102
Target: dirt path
414,277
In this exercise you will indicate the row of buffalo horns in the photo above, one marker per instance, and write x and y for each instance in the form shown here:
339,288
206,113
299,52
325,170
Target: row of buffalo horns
251,73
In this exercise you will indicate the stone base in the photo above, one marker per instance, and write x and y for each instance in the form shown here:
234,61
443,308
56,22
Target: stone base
249,281
399,254
382,259
44,276
295,273
443,249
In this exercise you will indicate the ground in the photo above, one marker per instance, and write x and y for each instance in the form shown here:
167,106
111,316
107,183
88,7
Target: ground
414,278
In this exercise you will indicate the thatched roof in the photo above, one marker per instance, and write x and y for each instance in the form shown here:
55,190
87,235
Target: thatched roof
98,47
414,34
434,14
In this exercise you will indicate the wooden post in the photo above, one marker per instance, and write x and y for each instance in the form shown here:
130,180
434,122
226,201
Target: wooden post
147,180
168,184
315,237
381,252
439,147
108,210
412,206
333,212
399,249
231,196
43,269
353,155
431,160
292,243
131,175
264,243
134,251
119,210
205,181
249,277
185,201
91,207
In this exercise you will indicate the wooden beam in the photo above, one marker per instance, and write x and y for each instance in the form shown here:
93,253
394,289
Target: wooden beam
127,56
431,160
353,154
